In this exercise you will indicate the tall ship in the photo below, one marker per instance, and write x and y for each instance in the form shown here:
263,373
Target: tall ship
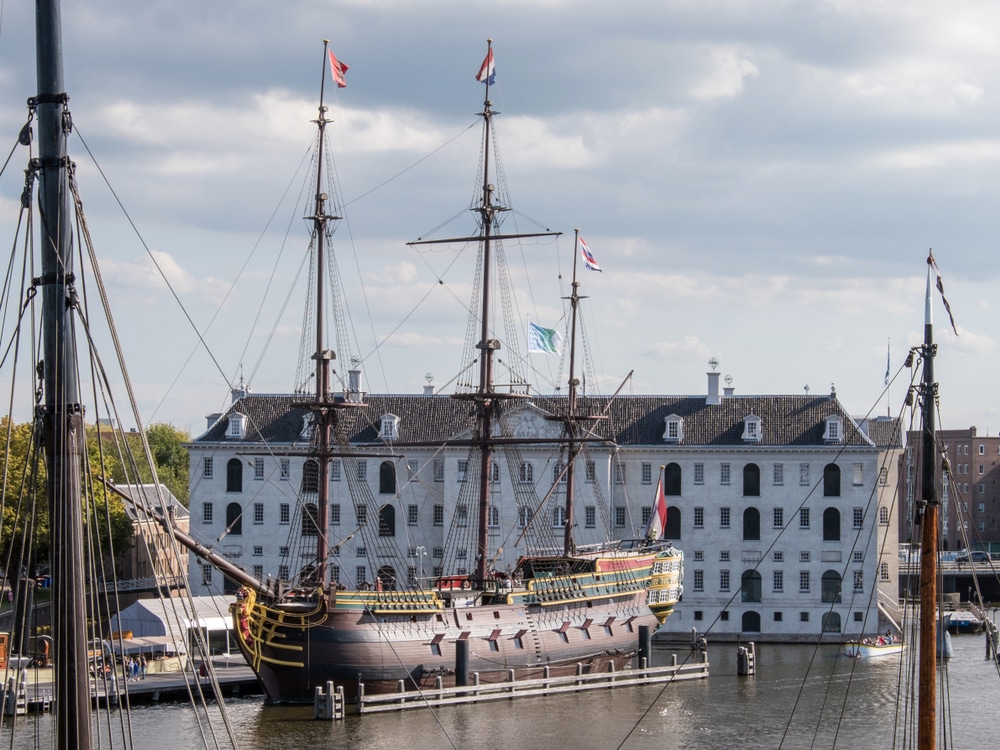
558,605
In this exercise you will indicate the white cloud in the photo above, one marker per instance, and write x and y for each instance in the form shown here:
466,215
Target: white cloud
729,70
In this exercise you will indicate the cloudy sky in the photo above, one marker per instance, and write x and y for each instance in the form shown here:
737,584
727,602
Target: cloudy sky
760,180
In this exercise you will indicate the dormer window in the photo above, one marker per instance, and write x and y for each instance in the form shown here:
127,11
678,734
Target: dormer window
834,430
307,426
237,426
389,429
674,432
751,429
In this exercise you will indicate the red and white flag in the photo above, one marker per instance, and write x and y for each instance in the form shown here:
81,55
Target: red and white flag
658,521
338,69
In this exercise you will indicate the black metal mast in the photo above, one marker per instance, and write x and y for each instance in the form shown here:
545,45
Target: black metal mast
60,416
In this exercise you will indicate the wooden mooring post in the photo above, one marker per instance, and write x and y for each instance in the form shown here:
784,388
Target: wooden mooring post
746,660
328,704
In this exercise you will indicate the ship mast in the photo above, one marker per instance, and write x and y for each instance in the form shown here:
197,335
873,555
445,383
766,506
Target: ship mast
486,397
569,546
61,414
927,522
322,407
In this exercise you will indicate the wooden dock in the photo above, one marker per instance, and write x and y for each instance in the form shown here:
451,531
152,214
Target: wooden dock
511,689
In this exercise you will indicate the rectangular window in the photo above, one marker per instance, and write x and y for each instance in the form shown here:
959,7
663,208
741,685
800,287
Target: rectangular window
724,474
258,513
859,581
620,516
283,551
699,580
859,478
778,616
803,581
463,466
779,518
647,473
699,555
461,515
590,517
412,467
335,514
258,469
591,472
335,469
619,472
883,476
285,466
804,474
412,515
360,575
699,473
258,572
207,513
361,513
804,556
723,580
647,513
206,575
859,617
779,474
980,468
699,518
438,469
724,555
439,515
803,617
778,557
859,557
803,518
982,507
335,573
361,551
207,467
362,470
284,514
859,517
724,518
778,580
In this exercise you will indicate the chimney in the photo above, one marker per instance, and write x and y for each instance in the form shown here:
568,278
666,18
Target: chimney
428,390
713,389
727,392
354,386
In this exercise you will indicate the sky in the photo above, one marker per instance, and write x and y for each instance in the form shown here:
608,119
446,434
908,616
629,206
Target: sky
760,181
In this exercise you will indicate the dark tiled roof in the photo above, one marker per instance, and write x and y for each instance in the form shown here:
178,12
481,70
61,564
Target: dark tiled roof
885,432
797,420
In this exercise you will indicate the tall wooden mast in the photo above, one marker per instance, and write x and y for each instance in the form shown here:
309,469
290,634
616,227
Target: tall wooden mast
60,416
927,522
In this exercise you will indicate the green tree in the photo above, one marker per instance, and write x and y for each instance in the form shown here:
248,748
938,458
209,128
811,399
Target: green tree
171,458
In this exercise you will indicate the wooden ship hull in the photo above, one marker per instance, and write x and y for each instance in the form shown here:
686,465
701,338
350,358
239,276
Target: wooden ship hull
581,620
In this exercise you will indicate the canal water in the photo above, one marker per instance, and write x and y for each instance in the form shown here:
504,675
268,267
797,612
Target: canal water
801,697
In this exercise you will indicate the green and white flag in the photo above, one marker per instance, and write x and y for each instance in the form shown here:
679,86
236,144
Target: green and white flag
545,340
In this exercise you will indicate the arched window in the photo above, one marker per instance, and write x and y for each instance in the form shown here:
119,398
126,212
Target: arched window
310,477
750,587
234,518
883,516
751,480
831,480
494,517
672,529
830,587
387,478
234,475
831,622
387,521
831,525
523,517
672,480
526,473
558,517
310,519
751,622
751,524
385,579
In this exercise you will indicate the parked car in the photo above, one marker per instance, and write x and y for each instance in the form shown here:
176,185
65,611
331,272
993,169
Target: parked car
977,556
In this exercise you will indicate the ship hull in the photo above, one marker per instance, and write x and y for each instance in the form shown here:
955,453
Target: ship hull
383,639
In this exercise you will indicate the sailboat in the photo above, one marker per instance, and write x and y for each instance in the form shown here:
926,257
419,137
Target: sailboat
556,609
